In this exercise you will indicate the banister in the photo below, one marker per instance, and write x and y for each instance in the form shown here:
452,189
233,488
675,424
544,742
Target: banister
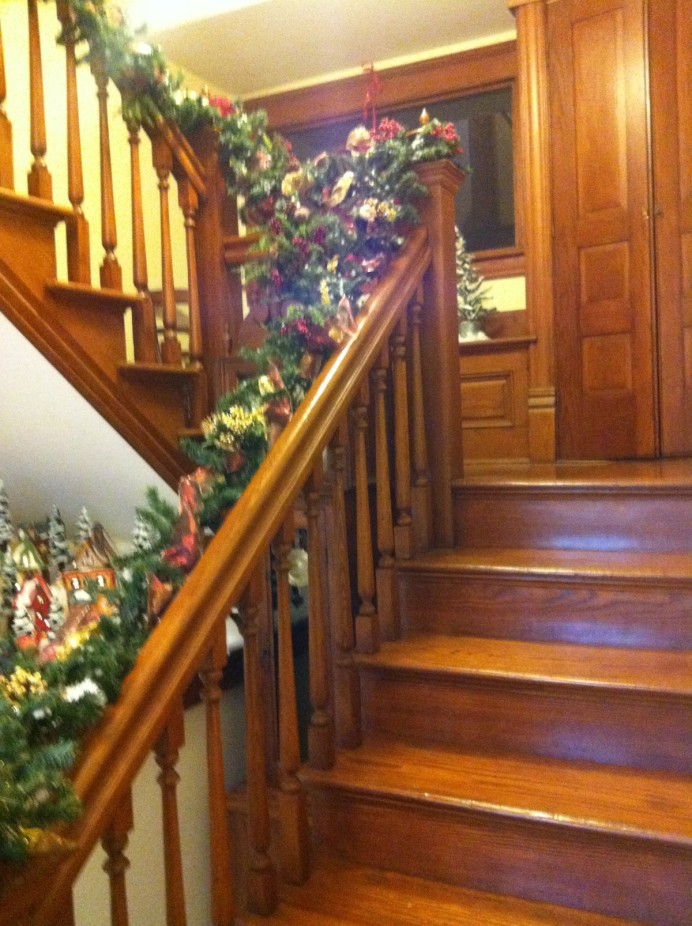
183,155
174,653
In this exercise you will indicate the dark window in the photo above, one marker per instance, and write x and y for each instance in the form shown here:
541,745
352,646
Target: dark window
485,205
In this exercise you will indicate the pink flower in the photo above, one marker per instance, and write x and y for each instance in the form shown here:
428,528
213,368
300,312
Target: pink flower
388,129
223,106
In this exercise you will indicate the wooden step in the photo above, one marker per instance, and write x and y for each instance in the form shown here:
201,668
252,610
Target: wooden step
94,318
340,893
646,506
598,704
613,841
174,396
571,596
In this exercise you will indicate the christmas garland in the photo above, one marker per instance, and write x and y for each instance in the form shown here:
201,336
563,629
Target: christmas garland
329,228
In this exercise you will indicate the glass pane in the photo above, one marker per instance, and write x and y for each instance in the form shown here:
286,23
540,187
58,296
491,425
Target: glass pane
485,204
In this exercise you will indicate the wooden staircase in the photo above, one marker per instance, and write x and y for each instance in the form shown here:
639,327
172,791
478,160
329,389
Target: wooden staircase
526,743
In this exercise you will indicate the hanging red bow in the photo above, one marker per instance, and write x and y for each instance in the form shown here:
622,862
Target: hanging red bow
372,91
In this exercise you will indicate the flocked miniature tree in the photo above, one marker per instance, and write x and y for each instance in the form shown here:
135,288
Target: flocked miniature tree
9,589
56,617
472,291
22,622
84,525
57,541
6,529
142,540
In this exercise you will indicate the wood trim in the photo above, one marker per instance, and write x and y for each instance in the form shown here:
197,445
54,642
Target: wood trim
500,263
174,652
494,345
424,82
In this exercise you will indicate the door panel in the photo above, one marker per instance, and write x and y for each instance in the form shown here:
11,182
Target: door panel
671,111
604,317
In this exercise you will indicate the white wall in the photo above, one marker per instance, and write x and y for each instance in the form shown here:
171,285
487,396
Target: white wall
145,879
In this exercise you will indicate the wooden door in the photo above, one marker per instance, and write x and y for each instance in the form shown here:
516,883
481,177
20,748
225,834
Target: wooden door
670,31
603,305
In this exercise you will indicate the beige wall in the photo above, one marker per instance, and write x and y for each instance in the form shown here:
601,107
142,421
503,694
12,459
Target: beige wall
13,15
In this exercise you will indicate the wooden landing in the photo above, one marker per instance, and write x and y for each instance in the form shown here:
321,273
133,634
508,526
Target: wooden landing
340,893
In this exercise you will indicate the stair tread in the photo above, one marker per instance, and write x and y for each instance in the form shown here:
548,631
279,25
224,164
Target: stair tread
42,209
340,892
558,564
654,671
608,799
630,475
139,370
84,294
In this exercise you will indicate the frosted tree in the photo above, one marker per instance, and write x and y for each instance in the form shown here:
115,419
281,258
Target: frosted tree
22,622
472,291
56,617
57,540
84,525
141,536
6,529
9,590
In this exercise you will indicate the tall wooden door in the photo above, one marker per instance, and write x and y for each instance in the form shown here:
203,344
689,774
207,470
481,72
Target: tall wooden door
604,317
670,42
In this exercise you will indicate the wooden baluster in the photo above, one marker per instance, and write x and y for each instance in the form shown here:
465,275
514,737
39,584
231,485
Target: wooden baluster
367,624
144,319
6,160
166,753
321,730
293,822
403,532
114,842
262,888
163,163
40,182
222,910
385,576
110,271
420,493
346,677
78,262
189,204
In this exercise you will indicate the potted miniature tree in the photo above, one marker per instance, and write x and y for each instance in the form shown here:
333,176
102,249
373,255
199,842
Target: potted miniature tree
472,295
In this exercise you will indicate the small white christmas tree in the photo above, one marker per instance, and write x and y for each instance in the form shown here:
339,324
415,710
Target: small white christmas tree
22,622
472,291
6,529
56,617
9,590
142,540
57,540
84,526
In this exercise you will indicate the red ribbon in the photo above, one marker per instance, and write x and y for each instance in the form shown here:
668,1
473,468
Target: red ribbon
372,91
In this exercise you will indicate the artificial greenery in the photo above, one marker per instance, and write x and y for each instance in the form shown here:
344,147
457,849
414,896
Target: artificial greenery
329,228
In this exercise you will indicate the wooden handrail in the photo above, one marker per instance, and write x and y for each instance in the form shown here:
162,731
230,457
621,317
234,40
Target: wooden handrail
117,748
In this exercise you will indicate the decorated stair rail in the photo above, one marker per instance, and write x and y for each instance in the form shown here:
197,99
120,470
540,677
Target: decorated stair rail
312,459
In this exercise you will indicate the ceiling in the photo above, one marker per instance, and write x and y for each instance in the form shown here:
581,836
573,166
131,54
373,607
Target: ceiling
278,44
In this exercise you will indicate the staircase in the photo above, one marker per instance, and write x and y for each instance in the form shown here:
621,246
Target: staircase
525,753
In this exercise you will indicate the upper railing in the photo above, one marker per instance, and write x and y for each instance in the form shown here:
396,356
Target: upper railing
394,384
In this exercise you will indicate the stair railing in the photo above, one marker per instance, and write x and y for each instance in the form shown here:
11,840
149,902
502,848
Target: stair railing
172,158
397,368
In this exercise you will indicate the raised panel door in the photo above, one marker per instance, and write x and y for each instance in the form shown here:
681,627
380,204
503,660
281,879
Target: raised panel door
603,306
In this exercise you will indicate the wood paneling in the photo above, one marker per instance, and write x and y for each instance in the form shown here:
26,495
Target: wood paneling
604,316
671,113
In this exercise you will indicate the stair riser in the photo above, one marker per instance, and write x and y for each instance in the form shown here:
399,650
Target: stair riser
573,521
567,611
602,873
504,716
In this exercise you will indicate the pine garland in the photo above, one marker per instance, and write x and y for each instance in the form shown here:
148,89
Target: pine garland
330,228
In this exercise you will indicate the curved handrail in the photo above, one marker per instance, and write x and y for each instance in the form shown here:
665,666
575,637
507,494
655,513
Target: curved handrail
116,750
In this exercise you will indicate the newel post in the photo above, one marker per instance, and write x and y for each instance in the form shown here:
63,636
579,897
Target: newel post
439,346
